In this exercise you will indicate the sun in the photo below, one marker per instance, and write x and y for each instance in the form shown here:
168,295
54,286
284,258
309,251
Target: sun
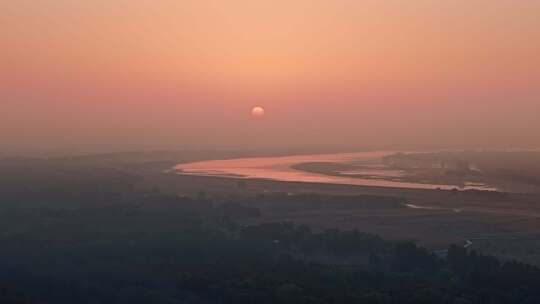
257,112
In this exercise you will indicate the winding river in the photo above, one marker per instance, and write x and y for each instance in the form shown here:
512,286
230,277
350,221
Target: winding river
374,172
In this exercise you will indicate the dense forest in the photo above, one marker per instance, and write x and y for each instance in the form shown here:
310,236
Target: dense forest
97,239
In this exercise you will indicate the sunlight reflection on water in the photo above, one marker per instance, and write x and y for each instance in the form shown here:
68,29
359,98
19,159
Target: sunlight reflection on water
280,169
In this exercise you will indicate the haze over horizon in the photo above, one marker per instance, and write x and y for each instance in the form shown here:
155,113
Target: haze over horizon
152,75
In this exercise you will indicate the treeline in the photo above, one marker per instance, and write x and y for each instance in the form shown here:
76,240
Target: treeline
153,248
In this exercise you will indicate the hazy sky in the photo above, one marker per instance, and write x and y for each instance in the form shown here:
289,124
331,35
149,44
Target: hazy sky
94,75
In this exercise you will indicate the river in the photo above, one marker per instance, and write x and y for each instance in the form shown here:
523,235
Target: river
374,172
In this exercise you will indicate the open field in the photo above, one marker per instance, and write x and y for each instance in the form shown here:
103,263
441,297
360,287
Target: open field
450,217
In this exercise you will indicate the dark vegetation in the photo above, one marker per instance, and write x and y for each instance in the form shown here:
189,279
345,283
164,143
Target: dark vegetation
87,235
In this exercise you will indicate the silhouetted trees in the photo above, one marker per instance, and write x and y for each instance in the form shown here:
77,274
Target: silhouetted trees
152,248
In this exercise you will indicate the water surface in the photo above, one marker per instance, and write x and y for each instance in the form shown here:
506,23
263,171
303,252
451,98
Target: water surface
280,169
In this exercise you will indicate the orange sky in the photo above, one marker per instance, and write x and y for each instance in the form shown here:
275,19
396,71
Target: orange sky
107,75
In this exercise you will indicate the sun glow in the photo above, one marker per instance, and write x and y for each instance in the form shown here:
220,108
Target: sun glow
257,112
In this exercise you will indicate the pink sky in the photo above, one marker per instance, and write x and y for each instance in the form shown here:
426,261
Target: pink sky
107,75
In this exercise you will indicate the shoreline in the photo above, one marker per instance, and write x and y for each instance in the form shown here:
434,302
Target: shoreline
303,168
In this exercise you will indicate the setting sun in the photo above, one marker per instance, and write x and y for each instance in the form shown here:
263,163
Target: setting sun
257,112
270,151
